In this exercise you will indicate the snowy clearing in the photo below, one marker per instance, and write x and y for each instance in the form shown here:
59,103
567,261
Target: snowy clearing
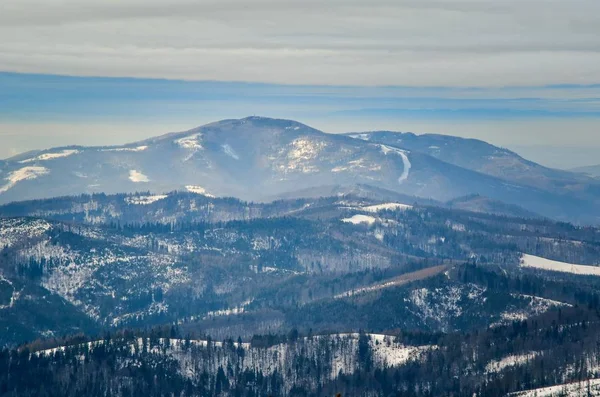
126,149
51,156
228,312
363,136
568,389
145,200
191,142
510,361
137,177
17,229
281,358
300,154
556,266
386,206
357,219
23,174
198,190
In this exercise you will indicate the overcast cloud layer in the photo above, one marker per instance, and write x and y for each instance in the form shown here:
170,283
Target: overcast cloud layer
347,42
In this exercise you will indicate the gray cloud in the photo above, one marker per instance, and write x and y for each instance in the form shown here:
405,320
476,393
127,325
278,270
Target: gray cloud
378,42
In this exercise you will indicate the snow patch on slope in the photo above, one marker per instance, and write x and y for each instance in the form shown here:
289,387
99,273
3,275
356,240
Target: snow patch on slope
144,200
191,142
357,165
23,174
536,306
363,136
51,156
386,206
496,366
302,151
357,219
198,190
405,161
281,358
228,312
569,389
15,230
230,152
126,149
137,177
537,262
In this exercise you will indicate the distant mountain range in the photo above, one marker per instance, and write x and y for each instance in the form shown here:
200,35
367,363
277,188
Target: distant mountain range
260,159
592,170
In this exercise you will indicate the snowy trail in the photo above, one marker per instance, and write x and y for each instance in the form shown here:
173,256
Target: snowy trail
405,161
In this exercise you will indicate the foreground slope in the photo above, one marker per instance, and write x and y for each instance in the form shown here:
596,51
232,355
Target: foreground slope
135,260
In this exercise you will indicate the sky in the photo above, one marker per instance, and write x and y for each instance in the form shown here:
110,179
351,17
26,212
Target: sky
519,74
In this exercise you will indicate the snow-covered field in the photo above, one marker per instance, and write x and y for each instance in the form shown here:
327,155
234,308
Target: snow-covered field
191,142
51,156
230,152
198,190
342,357
386,206
126,149
556,266
145,200
589,388
23,174
137,176
18,229
510,361
358,219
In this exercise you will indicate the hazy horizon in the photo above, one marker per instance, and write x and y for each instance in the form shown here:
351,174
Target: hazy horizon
98,72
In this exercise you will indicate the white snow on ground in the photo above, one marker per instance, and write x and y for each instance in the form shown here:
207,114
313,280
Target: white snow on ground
15,230
556,266
51,156
387,351
137,177
230,152
281,358
144,200
300,154
536,306
357,219
510,361
191,142
568,389
228,312
357,165
405,161
386,206
364,137
126,149
23,174
198,190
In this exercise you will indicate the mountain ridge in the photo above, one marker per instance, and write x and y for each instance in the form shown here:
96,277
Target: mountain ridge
258,158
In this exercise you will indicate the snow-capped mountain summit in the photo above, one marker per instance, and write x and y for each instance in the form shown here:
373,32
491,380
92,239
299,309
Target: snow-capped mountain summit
257,158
